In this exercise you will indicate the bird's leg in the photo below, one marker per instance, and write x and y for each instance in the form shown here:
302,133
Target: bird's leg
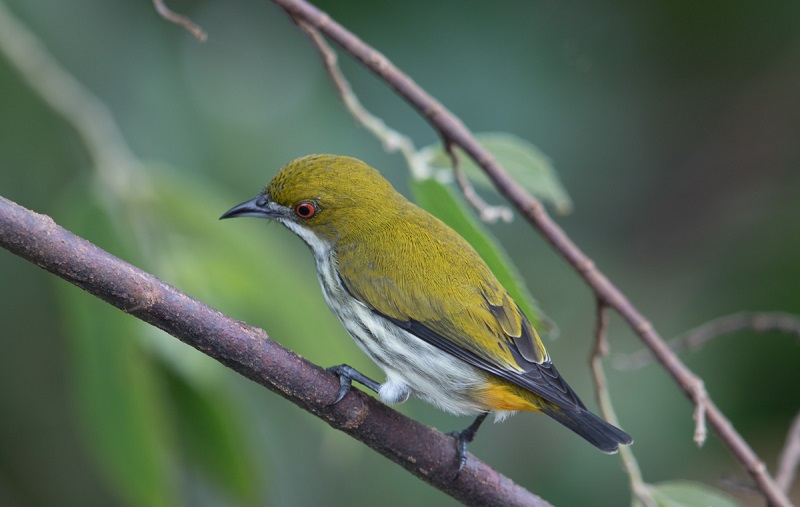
465,436
347,374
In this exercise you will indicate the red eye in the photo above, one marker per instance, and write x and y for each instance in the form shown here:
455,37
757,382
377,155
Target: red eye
305,209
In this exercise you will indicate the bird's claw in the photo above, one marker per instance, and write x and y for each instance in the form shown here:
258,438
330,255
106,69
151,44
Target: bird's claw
345,383
462,438
347,374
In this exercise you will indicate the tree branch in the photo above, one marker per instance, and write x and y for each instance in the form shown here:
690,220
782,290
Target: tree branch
760,322
486,211
452,130
391,139
179,19
425,452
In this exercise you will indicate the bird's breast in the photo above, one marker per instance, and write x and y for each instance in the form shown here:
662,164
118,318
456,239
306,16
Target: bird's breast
410,363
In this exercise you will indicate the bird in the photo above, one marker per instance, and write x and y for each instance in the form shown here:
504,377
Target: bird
419,301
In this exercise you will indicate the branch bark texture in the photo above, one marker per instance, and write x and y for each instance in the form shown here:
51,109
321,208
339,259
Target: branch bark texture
423,451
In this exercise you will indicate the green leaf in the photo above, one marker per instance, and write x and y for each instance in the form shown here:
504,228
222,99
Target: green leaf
525,163
118,396
440,200
687,494
215,439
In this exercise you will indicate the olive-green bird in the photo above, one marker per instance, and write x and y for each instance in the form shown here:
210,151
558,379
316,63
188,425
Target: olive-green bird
419,301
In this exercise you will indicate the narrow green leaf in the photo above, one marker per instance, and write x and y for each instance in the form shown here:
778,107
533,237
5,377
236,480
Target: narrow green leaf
156,411
441,201
688,494
215,440
118,396
524,162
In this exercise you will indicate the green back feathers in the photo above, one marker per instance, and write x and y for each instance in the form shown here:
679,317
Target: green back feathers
404,263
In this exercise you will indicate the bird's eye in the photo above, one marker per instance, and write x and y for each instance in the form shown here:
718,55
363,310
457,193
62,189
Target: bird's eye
305,209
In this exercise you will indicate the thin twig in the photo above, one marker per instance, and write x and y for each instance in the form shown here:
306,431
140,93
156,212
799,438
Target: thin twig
425,452
694,339
180,19
790,457
638,486
391,139
739,485
453,130
700,411
487,212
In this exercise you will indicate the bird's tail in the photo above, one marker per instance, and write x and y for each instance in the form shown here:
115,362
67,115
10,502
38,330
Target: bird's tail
595,430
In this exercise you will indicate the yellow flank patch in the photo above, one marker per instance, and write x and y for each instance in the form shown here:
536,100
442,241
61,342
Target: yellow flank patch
504,396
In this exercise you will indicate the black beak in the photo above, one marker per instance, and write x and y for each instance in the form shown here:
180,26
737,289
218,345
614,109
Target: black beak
260,206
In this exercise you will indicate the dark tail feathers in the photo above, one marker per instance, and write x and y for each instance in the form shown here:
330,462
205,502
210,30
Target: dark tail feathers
596,431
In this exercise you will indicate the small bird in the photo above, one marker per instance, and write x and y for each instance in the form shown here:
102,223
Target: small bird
419,301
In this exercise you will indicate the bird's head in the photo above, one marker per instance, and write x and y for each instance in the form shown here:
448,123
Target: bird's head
325,198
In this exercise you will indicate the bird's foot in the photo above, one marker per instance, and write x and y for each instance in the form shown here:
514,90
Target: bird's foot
347,374
464,437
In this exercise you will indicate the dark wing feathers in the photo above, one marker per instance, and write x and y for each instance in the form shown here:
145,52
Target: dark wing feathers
540,378
524,341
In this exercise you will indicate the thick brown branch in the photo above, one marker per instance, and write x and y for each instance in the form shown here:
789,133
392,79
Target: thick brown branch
423,451
452,130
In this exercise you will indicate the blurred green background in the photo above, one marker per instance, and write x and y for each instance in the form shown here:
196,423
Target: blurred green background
674,125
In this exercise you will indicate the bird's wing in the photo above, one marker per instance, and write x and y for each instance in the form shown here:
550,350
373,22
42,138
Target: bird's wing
470,316
541,378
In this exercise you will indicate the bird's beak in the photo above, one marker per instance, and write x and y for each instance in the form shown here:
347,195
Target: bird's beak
260,206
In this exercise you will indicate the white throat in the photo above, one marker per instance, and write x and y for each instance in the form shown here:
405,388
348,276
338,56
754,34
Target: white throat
320,249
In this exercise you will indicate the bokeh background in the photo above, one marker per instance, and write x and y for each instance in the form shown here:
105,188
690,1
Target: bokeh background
674,125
